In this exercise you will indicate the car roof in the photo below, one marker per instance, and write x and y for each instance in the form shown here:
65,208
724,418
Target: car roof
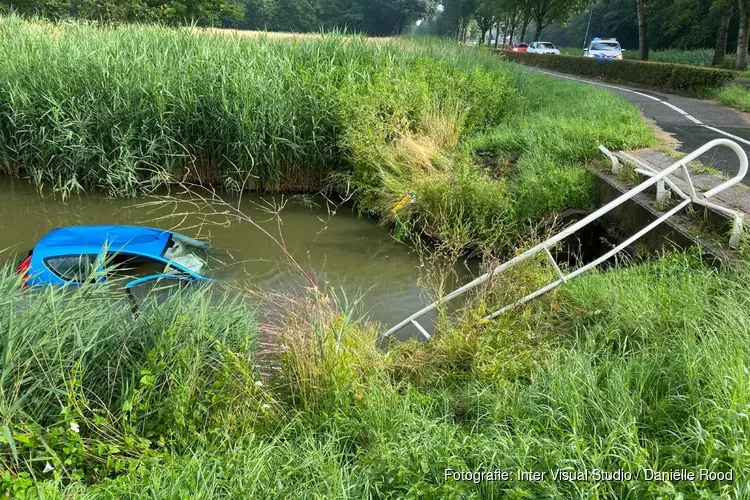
78,240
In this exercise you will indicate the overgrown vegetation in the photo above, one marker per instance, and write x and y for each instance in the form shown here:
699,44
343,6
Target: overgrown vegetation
126,109
737,96
674,78
634,368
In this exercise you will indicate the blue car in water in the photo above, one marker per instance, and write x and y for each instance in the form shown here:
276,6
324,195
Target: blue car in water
79,254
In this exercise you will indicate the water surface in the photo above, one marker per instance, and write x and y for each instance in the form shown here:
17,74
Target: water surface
346,250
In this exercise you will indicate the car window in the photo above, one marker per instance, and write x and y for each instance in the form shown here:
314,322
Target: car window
605,46
158,289
547,45
186,253
72,267
522,45
135,266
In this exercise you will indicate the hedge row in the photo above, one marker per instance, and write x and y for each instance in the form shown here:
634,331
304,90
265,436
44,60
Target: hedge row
673,78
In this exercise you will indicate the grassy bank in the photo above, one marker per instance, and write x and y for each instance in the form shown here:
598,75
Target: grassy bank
124,109
634,369
736,96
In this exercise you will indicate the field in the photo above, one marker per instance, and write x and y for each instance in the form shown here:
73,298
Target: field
639,367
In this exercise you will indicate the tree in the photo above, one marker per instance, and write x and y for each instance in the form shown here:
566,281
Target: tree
390,17
744,33
485,17
296,15
720,49
51,9
113,11
201,12
642,30
259,15
545,12
525,15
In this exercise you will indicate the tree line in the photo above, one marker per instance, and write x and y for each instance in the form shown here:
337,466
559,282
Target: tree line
687,24
372,17
721,24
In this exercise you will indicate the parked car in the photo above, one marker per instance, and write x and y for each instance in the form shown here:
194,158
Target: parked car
543,48
517,47
78,254
603,48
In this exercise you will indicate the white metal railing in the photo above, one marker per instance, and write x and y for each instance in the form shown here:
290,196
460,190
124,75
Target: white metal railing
654,178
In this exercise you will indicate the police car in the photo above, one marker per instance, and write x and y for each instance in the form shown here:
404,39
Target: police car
604,48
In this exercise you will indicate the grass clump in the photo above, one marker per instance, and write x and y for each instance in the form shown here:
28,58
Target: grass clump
735,96
87,388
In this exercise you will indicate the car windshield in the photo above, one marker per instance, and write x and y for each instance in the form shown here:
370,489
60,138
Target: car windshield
186,253
521,45
546,45
606,46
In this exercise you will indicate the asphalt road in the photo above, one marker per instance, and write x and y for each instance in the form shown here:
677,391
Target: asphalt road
691,122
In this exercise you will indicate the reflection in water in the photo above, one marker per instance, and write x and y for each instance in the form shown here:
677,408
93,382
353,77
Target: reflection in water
343,249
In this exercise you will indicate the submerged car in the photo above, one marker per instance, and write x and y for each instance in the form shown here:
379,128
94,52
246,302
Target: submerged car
543,48
82,254
603,48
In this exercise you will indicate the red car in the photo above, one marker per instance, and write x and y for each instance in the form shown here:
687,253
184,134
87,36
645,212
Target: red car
518,47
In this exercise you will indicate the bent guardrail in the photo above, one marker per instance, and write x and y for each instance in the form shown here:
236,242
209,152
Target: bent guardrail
654,178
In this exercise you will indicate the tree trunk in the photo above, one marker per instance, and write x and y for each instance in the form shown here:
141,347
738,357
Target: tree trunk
497,36
523,29
642,30
742,38
720,50
538,30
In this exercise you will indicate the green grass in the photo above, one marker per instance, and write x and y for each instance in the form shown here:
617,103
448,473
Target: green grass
736,96
634,368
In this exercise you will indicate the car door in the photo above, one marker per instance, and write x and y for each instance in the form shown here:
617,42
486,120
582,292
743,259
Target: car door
155,289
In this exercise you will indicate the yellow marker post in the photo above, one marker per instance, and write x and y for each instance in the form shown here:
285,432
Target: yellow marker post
409,198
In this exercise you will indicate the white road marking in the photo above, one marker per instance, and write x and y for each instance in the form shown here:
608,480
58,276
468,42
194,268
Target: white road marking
682,112
646,95
670,105
728,134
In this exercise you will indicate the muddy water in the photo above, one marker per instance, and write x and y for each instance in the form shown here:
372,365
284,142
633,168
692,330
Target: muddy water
348,251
